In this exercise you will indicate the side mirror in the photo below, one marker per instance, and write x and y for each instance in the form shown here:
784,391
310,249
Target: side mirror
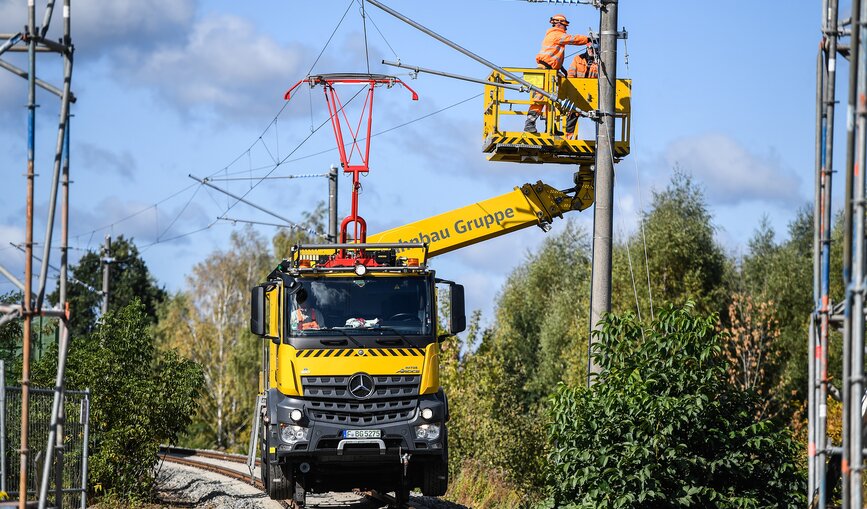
458,316
257,310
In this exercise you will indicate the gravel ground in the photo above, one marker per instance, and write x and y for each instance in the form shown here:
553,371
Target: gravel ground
181,486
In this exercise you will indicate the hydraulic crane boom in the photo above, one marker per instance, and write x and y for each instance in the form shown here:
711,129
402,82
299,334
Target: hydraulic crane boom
528,205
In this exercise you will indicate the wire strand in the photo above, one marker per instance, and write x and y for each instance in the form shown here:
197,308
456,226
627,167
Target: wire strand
366,48
330,37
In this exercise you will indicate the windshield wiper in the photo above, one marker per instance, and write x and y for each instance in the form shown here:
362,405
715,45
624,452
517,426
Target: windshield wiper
356,343
387,341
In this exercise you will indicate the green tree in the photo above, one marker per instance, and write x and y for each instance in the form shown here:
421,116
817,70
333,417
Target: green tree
683,260
498,379
129,279
11,336
209,323
139,398
662,426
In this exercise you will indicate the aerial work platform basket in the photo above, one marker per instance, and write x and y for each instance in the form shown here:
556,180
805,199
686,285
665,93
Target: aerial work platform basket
505,139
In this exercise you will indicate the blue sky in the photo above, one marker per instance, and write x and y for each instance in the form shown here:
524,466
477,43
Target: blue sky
723,90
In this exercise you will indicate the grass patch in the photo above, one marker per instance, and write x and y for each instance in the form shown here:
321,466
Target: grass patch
481,487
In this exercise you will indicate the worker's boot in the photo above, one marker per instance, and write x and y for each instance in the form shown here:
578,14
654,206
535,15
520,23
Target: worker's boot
530,124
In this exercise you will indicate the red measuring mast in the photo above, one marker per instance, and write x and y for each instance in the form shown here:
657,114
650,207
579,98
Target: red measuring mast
354,136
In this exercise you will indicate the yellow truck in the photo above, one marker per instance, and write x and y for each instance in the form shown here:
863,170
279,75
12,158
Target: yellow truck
352,397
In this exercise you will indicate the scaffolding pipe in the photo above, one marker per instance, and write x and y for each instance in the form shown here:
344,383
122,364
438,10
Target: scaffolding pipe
55,180
54,445
848,304
28,259
11,42
42,84
856,287
14,280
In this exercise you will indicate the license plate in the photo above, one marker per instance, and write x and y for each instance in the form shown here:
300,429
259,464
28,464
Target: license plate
362,433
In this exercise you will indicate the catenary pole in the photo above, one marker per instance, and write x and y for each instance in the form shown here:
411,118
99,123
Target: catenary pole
106,269
332,204
603,211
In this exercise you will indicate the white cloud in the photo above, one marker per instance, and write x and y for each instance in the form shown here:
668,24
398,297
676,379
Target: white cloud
225,66
104,161
731,173
100,27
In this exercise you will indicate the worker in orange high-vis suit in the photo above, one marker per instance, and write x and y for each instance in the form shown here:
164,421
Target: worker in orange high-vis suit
583,66
551,57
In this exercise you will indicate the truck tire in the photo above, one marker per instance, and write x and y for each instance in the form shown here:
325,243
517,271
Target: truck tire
279,485
436,479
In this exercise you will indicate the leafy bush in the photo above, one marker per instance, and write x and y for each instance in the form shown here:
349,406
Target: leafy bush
663,427
138,399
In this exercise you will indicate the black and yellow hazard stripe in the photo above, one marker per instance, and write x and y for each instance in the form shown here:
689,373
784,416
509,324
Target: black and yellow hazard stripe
361,352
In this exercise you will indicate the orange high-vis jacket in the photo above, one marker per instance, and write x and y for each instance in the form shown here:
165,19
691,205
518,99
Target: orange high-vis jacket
580,69
310,324
553,46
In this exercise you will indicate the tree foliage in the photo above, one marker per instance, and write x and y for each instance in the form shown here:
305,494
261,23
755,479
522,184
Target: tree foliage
498,379
129,279
209,323
139,398
683,260
663,427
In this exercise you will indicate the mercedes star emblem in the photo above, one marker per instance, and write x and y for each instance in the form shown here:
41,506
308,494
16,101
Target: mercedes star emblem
361,385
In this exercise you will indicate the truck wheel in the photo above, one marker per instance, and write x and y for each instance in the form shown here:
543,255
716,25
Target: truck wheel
436,479
279,485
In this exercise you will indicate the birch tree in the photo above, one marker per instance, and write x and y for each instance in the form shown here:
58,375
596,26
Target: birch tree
208,323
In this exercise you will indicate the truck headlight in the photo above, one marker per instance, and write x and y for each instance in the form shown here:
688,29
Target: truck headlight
296,415
427,432
293,434
427,414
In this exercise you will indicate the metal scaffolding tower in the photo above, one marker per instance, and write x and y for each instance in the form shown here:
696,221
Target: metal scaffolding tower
830,462
34,40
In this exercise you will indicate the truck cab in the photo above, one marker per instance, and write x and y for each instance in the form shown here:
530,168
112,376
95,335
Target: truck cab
352,398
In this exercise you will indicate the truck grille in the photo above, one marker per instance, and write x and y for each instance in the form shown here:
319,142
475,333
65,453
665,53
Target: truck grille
328,400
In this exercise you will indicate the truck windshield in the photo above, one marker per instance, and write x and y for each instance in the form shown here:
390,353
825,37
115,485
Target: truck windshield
362,306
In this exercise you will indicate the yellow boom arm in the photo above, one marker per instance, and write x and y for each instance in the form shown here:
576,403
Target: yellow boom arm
528,205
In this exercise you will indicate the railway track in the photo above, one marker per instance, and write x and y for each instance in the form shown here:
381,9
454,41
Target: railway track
224,464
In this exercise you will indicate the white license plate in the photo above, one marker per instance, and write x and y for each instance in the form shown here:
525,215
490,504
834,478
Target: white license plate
362,433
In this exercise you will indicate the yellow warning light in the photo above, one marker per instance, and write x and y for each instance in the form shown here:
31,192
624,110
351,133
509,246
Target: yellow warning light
412,262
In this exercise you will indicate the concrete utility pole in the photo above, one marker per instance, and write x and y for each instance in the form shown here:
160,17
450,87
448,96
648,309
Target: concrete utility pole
332,204
603,212
106,268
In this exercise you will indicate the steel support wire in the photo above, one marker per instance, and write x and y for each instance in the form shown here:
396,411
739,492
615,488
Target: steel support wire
415,69
529,86
289,223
